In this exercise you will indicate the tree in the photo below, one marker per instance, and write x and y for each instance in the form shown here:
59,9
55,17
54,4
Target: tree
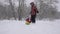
12,7
47,8
20,9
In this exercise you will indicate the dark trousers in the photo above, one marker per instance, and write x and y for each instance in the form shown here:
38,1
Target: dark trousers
33,18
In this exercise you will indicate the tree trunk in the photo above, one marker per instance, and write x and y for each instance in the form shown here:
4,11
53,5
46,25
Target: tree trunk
20,9
12,7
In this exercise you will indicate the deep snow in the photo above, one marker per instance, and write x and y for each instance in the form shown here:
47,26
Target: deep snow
19,27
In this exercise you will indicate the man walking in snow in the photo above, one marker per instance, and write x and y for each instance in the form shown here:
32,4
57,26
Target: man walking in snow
34,11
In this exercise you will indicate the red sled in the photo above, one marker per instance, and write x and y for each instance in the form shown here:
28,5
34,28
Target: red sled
28,20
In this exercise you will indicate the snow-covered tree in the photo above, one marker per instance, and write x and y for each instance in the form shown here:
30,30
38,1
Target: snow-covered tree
47,8
20,9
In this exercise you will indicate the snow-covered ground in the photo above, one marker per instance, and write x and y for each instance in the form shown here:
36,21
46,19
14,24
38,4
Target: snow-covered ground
19,27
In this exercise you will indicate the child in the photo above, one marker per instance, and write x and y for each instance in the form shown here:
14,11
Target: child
28,20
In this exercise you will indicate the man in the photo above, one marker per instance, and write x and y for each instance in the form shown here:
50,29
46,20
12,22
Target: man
34,11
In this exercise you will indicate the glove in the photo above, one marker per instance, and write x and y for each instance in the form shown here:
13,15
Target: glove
37,11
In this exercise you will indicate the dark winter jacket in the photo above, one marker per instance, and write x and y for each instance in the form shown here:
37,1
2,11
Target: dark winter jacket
34,10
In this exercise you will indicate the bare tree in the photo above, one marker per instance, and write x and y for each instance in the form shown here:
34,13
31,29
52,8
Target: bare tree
12,7
47,8
20,9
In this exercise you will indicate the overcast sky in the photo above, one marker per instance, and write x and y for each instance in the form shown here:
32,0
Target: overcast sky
29,1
